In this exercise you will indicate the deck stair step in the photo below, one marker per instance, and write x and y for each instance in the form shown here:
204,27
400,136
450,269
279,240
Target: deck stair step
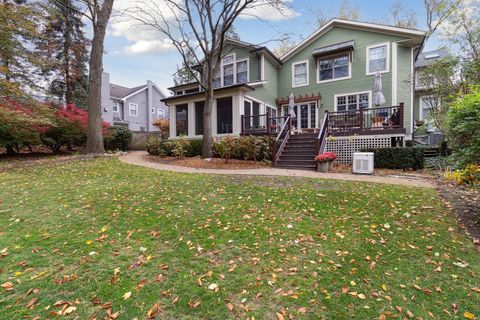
299,152
431,152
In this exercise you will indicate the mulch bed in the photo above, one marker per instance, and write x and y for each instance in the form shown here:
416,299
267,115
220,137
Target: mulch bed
197,162
419,174
465,203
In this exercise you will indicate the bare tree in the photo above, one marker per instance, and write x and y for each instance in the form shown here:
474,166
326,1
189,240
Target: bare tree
348,12
402,17
198,27
437,12
98,12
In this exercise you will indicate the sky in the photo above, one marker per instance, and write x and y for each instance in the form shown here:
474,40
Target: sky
132,56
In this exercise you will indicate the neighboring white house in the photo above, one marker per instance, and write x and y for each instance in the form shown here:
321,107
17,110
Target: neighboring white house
136,107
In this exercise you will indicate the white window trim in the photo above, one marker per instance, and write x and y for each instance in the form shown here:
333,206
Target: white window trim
293,74
369,92
420,112
367,63
115,105
248,69
130,105
309,103
336,79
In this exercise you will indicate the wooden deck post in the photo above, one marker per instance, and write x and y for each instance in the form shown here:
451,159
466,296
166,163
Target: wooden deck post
361,119
401,109
242,117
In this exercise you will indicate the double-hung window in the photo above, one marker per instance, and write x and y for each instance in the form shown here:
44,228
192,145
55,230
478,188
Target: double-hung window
217,79
115,107
228,70
300,74
351,102
334,68
133,109
377,58
427,104
242,71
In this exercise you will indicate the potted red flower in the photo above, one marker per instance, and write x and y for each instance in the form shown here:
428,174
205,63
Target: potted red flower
325,161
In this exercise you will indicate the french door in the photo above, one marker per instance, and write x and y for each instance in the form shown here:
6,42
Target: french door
306,115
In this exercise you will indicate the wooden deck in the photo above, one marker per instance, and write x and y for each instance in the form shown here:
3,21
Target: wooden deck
372,121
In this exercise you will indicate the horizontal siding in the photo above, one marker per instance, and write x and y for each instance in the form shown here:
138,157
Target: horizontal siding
359,80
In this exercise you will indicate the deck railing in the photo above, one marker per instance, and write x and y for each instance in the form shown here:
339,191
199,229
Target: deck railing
281,139
261,124
372,120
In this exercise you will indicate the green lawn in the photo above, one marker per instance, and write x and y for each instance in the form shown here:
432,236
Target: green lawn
101,236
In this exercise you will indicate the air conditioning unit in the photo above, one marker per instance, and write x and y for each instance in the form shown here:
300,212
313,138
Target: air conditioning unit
363,162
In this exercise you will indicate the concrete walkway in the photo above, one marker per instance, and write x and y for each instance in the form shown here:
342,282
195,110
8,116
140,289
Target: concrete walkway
136,158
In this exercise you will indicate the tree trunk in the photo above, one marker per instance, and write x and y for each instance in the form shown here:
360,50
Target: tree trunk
94,128
207,124
10,150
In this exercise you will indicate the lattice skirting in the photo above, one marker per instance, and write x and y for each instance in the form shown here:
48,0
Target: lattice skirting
344,147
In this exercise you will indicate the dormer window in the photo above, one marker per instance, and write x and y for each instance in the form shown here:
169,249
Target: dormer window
231,72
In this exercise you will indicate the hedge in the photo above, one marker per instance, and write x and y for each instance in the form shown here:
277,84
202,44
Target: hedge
398,158
118,138
174,148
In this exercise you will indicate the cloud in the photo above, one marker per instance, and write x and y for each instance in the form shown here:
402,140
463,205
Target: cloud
142,39
147,40
266,11
149,46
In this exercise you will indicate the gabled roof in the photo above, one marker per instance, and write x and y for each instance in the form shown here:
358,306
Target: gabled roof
120,92
427,58
411,33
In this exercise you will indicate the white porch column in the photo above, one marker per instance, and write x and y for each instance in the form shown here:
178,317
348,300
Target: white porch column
173,121
394,73
236,114
191,119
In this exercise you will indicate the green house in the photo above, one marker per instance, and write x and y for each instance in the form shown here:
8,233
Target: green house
331,76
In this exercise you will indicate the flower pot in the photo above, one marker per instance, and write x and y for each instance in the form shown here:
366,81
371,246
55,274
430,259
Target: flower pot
330,165
322,167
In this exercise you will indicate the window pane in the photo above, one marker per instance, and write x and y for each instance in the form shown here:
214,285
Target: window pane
325,64
217,79
380,65
326,74
242,72
256,112
363,100
228,75
228,59
377,58
313,114
199,106
352,102
182,119
341,61
300,74
224,115
341,72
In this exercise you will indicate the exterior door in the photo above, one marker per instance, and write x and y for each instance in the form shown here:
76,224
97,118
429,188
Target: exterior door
306,115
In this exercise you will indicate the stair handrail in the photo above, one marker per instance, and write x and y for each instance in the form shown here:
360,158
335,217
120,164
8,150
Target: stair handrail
287,126
322,135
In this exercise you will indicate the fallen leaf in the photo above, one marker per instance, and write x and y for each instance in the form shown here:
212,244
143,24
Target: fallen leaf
230,306
153,311
8,286
468,315
280,316
127,295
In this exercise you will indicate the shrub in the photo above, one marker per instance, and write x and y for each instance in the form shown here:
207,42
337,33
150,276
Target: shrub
469,175
22,122
398,158
463,129
194,148
245,148
153,145
118,138
179,147
227,148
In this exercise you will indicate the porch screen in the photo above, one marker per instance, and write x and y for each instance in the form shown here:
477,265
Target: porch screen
199,105
224,115
182,119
